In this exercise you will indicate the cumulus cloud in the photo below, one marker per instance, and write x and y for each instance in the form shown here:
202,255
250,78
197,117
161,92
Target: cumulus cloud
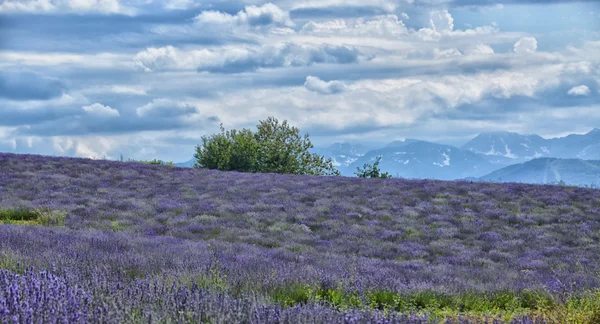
253,16
165,108
99,110
441,21
45,6
241,59
93,148
331,6
386,26
479,49
526,45
581,90
446,53
319,86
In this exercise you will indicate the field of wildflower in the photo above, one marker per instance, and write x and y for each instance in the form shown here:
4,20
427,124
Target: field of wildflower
89,241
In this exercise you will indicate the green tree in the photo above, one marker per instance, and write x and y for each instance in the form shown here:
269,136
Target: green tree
275,147
372,171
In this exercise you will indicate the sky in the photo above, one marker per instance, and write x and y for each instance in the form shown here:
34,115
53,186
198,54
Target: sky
148,78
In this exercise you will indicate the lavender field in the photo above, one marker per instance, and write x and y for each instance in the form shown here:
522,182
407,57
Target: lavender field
155,244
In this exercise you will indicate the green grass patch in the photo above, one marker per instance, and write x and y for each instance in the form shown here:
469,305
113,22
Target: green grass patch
38,216
584,308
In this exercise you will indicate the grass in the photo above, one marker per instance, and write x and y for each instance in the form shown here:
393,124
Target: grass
38,216
584,308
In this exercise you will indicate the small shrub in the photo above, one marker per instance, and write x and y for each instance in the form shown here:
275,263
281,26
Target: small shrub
38,216
49,217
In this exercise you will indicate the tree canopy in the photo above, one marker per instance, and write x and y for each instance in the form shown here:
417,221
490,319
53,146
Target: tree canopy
372,171
275,147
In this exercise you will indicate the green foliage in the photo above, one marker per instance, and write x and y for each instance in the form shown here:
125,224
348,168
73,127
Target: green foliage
275,147
372,171
153,161
39,216
477,306
217,279
17,214
49,217
157,162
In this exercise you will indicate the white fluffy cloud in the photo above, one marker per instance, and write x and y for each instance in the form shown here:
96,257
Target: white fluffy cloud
379,26
35,6
319,86
479,49
446,53
581,90
526,45
93,148
99,110
441,21
253,16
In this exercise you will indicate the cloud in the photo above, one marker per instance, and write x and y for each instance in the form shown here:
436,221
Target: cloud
441,24
121,89
441,21
252,16
101,111
526,45
61,6
450,52
93,148
242,59
479,49
319,86
378,26
581,90
23,85
165,108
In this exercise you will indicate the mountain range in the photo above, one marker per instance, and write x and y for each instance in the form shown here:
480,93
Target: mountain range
576,172
488,156
493,156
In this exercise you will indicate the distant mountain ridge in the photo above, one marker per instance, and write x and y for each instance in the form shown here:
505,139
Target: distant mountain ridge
342,154
186,164
575,172
508,148
487,152
420,159
505,148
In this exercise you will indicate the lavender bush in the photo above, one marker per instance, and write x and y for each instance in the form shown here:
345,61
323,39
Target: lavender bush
149,243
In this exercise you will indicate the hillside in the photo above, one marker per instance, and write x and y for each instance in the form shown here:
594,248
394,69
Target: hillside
332,247
574,172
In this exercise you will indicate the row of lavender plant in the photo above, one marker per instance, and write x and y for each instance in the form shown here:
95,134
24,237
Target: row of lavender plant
97,277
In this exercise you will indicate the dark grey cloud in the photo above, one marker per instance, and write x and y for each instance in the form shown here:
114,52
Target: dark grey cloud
104,118
94,33
15,85
13,116
164,109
